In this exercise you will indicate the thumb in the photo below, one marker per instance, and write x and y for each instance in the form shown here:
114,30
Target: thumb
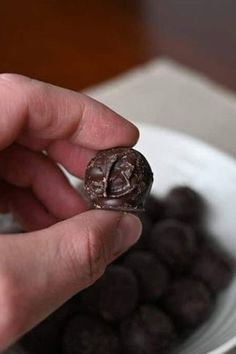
39,271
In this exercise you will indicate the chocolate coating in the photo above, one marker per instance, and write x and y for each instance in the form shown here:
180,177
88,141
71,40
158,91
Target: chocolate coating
151,274
149,331
188,302
118,179
46,337
173,243
85,334
89,298
155,208
185,204
213,267
146,232
119,293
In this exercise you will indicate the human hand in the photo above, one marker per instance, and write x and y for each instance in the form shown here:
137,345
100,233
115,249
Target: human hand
67,248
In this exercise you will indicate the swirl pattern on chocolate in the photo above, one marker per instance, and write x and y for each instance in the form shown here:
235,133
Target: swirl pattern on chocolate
118,179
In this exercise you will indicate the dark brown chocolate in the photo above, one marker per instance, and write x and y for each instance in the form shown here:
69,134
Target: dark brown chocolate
184,204
148,331
119,293
213,267
174,243
118,179
188,302
86,334
152,275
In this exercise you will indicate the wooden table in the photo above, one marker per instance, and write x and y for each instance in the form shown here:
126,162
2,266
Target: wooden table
77,43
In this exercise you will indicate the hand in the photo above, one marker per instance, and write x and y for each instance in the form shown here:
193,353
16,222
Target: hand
66,248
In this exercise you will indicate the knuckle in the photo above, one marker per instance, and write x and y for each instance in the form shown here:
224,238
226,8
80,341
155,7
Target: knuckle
85,257
31,97
41,105
96,254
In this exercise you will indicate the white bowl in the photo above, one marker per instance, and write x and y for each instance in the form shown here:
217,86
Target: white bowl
178,159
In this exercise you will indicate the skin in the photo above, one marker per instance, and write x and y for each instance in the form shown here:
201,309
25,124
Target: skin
65,248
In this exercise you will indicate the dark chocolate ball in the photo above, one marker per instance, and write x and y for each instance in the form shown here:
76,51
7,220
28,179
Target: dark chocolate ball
85,334
152,275
173,243
146,232
201,234
119,293
46,337
118,179
89,298
147,225
149,331
184,204
188,302
155,208
213,267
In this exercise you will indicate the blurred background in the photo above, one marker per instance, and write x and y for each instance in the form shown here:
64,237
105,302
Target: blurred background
76,43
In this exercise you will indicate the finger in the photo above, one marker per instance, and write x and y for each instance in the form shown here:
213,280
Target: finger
71,156
24,168
43,111
25,207
29,212
55,263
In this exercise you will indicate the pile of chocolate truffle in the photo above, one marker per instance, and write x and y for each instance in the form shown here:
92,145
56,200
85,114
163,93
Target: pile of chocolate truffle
151,298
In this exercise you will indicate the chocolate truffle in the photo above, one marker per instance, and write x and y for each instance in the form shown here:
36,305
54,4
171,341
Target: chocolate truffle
119,293
149,331
146,232
188,303
213,267
46,337
89,298
184,204
155,208
151,274
173,243
118,179
90,335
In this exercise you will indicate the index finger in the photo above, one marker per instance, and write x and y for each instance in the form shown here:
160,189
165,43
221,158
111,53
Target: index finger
42,111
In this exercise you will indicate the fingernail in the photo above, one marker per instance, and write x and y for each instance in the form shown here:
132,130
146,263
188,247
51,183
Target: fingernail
128,232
